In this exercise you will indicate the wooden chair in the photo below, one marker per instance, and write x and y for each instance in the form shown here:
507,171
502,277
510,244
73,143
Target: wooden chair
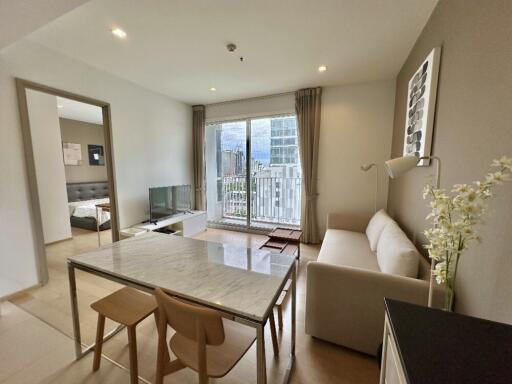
204,341
280,303
128,307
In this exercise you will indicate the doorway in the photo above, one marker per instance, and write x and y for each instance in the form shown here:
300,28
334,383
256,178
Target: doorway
68,149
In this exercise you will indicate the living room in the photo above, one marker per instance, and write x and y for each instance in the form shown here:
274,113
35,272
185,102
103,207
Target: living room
291,109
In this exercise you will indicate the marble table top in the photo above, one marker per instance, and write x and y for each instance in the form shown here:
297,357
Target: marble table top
241,281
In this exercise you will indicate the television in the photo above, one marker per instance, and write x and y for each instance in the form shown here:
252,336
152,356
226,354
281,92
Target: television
168,201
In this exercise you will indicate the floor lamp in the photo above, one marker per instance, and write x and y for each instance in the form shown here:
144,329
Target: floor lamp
400,165
366,168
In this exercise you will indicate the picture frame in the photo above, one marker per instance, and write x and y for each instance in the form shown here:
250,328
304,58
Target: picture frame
96,154
72,153
420,108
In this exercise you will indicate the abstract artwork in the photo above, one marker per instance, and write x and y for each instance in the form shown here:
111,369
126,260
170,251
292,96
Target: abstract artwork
421,101
72,153
96,155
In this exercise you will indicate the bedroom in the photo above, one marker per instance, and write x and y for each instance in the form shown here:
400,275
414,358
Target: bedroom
68,144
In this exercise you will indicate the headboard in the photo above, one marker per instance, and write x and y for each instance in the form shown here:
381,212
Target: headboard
87,191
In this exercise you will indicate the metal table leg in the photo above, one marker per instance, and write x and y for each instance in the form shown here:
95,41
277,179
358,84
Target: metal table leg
74,311
98,226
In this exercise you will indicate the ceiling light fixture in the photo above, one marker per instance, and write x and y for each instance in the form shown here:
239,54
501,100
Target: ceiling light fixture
213,89
322,68
118,32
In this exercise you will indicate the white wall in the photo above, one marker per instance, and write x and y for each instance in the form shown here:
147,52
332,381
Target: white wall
260,106
356,128
151,137
18,269
49,164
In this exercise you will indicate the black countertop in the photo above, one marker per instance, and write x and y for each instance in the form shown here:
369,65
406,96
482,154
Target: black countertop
443,347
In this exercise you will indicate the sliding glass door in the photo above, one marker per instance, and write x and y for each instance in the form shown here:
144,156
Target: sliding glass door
262,189
226,172
275,172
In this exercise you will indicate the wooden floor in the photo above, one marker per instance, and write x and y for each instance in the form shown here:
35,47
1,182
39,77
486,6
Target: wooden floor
39,327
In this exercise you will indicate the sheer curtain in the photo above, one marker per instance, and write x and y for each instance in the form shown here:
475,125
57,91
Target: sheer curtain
198,125
307,107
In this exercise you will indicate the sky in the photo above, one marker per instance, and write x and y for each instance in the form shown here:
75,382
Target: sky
233,138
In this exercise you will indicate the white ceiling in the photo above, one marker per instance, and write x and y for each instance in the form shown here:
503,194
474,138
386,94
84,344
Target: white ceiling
76,110
177,47
20,17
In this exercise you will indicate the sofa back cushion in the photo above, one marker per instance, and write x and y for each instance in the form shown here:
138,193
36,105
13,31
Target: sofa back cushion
396,254
375,228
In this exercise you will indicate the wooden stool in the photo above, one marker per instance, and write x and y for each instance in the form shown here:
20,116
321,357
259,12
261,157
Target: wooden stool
280,302
127,307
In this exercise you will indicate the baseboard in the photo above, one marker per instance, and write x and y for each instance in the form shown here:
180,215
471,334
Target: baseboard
58,241
18,293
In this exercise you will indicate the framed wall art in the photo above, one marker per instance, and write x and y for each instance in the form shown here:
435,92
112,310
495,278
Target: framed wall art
72,153
96,155
421,102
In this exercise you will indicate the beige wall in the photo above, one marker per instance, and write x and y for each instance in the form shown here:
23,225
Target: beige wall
355,129
79,132
473,126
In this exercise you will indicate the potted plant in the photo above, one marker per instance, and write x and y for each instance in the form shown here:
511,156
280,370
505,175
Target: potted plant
454,216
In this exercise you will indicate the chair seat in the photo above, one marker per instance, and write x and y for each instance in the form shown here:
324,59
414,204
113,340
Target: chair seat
221,358
126,306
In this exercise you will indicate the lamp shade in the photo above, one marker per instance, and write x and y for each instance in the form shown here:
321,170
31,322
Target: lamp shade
398,166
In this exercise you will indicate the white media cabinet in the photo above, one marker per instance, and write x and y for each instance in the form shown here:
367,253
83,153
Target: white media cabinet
185,224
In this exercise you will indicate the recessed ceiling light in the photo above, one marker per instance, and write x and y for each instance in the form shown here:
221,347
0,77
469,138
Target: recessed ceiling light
322,68
60,106
213,89
118,32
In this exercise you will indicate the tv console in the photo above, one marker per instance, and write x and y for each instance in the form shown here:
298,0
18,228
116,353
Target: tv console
184,224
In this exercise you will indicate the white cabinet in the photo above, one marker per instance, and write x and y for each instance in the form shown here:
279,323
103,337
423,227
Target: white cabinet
186,224
391,370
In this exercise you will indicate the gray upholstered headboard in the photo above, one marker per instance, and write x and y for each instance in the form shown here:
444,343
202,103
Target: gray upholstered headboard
87,191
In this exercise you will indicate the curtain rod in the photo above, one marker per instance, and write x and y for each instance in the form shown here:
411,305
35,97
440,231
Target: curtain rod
251,98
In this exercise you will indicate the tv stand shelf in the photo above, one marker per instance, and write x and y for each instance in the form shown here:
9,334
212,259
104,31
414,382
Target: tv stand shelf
187,224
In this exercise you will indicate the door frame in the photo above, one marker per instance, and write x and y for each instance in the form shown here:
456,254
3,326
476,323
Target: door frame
36,219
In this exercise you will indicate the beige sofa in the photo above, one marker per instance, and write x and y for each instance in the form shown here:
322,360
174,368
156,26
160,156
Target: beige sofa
347,285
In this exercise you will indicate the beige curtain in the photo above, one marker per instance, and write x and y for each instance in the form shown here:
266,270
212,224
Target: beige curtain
307,107
198,125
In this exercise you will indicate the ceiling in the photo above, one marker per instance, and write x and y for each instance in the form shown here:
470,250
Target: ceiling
20,17
76,110
177,47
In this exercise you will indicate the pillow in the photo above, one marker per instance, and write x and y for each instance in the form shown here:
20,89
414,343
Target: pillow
396,254
375,227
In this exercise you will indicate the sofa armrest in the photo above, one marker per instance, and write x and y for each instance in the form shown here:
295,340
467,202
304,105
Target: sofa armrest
347,221
345,305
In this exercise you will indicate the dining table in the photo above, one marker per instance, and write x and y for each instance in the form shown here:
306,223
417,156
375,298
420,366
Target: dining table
242,284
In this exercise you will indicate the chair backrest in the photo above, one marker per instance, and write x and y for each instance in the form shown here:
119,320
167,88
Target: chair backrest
186,319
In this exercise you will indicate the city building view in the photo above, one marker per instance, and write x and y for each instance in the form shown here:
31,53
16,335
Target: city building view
272,171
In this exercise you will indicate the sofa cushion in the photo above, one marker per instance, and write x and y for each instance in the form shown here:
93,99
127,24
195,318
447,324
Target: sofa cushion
347,248
376,226
395,252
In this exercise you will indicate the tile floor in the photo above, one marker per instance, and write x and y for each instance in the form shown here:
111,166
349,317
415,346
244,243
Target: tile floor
37,328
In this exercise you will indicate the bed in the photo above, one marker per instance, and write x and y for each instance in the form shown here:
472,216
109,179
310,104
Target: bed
82,200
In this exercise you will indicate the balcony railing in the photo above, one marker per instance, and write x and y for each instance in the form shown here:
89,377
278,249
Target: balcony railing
273,199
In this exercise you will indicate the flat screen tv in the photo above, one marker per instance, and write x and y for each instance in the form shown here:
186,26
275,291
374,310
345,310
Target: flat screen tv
168,201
